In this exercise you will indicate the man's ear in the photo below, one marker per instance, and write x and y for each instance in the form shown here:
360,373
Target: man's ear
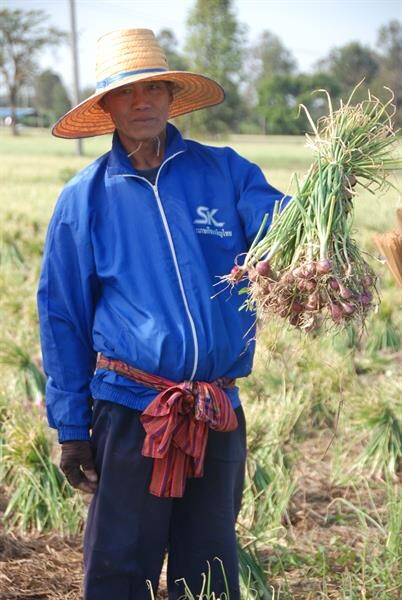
103,104
170,87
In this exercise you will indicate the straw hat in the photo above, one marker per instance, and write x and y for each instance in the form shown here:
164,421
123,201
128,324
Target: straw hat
127,56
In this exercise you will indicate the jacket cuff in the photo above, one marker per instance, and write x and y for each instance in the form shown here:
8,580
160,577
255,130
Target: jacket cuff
67,434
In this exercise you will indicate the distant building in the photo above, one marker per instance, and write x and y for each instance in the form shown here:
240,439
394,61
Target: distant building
20,113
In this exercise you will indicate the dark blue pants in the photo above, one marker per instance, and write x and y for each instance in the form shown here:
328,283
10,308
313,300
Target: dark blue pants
128,530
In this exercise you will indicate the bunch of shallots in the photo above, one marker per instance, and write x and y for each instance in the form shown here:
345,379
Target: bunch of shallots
307,268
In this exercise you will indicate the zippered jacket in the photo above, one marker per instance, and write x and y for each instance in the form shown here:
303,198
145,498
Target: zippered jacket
132,270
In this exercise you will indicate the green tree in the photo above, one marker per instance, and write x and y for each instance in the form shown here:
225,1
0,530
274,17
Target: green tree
214,47
51,97
271,57
308,90
271,64
169,43
349,65
277,103
23,34
389,44
280,97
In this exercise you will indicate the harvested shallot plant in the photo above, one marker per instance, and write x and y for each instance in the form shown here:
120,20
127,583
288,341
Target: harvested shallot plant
307,268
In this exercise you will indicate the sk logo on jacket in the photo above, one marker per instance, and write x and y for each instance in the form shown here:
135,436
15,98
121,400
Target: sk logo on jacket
207,217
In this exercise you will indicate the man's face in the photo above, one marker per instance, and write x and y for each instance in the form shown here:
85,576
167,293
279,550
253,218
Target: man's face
139,110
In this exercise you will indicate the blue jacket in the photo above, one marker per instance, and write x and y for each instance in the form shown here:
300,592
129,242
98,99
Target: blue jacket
132,270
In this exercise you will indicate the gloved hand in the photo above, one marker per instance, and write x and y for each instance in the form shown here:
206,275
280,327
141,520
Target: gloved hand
78,466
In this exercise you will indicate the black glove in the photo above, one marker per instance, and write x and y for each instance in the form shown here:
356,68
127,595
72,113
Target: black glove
78,466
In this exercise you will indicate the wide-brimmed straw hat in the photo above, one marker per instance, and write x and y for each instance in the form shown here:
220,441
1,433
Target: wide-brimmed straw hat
128,56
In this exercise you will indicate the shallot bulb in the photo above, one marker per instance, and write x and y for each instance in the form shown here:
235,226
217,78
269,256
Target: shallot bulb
310,270
336,312
236,273
345,292
365,298
323,266
313,302
299,273
367,281
263,268
310,285
305,271
348,309
297,307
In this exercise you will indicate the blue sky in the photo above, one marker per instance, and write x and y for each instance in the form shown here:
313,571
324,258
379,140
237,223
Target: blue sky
309,28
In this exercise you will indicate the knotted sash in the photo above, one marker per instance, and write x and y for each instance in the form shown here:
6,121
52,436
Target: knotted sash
176,424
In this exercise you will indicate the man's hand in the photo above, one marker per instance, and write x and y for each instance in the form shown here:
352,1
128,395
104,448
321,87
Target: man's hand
349,182
78,466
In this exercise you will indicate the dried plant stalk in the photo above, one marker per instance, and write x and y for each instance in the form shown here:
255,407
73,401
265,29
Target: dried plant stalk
390,245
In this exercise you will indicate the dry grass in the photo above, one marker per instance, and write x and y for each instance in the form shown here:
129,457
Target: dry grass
48,567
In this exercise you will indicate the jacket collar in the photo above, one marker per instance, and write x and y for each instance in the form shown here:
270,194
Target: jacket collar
119,164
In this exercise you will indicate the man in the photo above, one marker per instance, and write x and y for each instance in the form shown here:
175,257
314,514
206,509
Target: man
140,351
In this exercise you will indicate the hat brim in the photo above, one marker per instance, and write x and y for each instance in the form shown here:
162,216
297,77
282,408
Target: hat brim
191,92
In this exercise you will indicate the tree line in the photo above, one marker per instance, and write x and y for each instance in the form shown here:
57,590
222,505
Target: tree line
263,85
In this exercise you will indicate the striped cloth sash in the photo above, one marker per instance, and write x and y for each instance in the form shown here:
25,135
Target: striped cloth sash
176,424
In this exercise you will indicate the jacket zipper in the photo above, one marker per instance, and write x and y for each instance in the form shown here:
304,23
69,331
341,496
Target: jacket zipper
175,261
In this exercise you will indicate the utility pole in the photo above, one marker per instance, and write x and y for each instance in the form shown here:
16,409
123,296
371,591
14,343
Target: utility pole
76,79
